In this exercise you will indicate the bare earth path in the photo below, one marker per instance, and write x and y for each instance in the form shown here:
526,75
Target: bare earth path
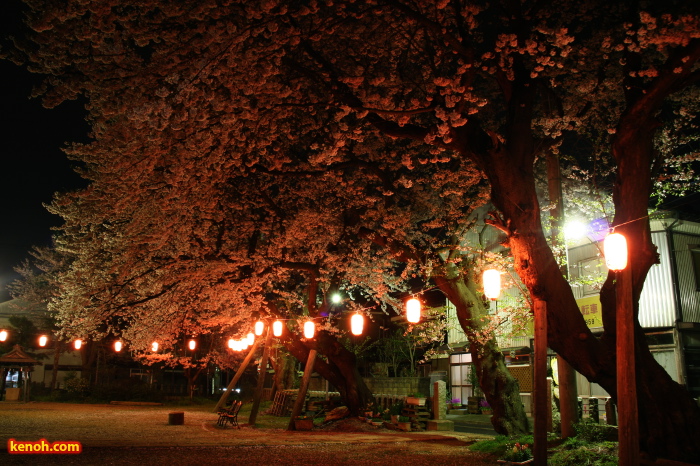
117,434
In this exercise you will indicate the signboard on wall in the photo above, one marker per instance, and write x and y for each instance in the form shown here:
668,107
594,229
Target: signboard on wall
591,310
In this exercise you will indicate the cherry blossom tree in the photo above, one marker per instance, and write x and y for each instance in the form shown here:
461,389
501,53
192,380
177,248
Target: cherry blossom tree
191,100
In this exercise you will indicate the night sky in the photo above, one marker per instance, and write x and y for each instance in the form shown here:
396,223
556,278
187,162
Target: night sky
33,166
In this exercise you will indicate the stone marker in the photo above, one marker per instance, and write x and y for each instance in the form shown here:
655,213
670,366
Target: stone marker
439,421
439,400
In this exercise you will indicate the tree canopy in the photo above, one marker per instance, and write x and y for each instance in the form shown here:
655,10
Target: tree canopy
252,141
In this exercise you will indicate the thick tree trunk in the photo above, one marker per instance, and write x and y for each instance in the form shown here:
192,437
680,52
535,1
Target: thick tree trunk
88,358
340,369
667,428
500,388
192,375
56,358
284,366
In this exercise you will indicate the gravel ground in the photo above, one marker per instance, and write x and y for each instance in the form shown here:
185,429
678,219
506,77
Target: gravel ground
140,434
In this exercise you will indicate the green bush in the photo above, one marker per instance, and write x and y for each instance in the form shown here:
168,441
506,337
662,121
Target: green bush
590,431
77,386
599,454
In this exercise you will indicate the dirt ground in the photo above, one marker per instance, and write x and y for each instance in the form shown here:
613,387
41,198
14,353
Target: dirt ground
119,434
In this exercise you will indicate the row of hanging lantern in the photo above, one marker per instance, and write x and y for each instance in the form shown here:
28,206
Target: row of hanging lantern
4,334
43,340
413,308
357,322
308,328
614,250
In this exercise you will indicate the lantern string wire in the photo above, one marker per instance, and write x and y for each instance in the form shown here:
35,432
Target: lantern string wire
612,229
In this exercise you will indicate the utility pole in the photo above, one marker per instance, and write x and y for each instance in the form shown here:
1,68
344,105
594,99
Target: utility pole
568,396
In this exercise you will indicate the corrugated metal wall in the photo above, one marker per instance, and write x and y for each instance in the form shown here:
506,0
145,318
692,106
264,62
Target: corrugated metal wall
656,304
688,293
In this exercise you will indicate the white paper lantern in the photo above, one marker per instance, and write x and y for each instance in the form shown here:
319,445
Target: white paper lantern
259,327
357,323
309,329
492,283
77,344
117,346
277,328
413,310
615,251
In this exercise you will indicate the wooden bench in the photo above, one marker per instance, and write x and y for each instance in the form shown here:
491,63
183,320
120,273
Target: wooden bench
230,415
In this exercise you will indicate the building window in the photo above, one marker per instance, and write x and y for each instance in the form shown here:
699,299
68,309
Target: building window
460,380
695,254
591,274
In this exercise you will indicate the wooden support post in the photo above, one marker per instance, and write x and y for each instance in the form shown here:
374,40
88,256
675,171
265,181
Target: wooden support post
301,397
628,426
237,377
262,372
568,398
540,408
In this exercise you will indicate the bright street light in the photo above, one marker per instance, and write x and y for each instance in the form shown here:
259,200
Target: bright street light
575,229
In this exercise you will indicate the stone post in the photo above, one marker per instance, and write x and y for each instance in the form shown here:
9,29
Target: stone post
439,400
439,420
